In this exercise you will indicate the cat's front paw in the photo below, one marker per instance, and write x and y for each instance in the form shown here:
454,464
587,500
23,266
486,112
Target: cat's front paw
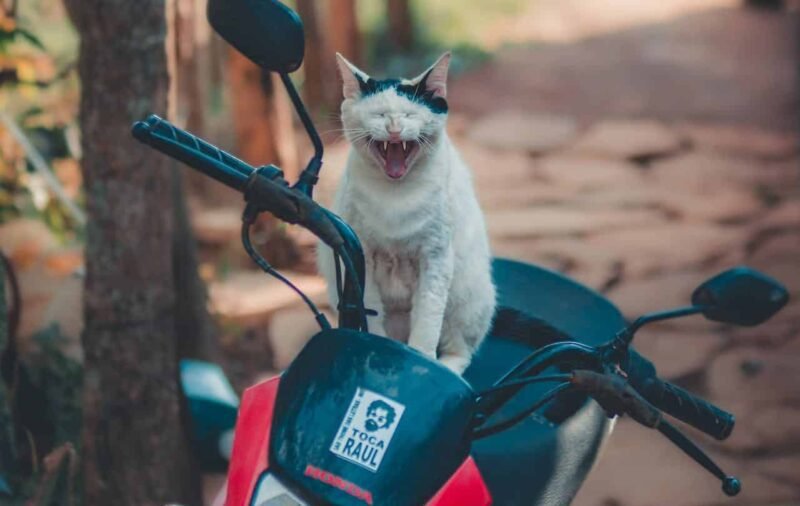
455,363
431,354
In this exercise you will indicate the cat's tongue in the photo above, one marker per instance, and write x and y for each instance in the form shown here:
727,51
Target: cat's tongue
395,161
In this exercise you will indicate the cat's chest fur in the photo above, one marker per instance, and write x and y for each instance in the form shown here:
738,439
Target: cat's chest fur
396,274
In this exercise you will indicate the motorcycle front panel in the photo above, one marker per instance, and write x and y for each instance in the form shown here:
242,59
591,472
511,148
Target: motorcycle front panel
361,416
253,480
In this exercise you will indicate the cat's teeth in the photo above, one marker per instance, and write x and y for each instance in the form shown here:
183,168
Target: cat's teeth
404,145
385,145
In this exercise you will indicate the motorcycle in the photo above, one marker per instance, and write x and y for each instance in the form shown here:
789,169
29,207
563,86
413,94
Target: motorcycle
361,419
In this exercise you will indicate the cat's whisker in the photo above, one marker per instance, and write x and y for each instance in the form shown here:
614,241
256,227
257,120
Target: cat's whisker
358,137
338,139
333,116
352,135
425,144
346,130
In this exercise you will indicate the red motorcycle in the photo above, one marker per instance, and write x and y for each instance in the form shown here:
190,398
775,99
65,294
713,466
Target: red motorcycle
360,419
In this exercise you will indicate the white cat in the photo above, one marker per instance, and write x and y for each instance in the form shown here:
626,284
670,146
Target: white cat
409,197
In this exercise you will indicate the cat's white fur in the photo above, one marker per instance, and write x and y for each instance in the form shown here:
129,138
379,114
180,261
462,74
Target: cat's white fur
428,267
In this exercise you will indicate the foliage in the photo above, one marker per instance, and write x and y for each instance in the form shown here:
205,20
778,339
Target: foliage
48,385
42,101
438,25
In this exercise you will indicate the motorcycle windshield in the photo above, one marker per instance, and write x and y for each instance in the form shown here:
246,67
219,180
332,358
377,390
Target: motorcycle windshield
361,419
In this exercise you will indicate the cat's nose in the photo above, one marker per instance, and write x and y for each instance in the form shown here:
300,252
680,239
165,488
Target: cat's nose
394,128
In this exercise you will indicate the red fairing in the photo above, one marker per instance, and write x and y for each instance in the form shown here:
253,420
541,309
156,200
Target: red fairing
465,488
250,456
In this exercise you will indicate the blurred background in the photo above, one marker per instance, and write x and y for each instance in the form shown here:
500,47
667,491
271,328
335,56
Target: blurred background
639,147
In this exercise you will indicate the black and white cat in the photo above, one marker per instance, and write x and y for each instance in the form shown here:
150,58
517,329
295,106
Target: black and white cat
410,199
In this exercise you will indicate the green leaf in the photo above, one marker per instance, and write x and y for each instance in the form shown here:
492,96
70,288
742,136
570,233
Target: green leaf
30,112
5,40
31,38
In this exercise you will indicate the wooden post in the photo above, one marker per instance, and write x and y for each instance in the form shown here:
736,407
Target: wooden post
320,87
401,27
262,116
342,22
8,452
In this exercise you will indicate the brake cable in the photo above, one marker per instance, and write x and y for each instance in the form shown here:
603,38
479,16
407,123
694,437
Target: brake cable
481,432
248,217
522,381
350,270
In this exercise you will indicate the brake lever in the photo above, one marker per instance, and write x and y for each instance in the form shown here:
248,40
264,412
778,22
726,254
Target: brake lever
616,396
730,484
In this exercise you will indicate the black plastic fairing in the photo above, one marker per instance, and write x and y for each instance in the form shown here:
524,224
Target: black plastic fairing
381,418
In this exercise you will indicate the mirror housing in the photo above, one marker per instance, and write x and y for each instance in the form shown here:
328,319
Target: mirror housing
741,296
265,31
270,35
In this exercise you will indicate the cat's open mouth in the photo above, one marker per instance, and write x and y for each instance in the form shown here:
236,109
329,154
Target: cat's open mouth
396,156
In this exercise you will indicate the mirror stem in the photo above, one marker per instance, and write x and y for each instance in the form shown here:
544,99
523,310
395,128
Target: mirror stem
661,315
619,345
310,175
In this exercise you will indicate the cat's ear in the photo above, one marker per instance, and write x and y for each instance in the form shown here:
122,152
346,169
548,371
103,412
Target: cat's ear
435,78
350,77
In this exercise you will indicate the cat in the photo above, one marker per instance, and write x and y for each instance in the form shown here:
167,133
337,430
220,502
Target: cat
409,197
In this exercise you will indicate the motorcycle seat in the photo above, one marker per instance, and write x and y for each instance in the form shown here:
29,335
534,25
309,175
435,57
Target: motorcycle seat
544,459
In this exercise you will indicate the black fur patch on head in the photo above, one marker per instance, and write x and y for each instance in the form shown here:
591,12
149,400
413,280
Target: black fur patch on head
416,93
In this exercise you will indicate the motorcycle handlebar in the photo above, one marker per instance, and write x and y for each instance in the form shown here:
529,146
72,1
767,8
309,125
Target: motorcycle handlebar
676,401
265,187
267,190
193,151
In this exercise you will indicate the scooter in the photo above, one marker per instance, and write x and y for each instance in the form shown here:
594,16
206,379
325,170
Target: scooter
360,419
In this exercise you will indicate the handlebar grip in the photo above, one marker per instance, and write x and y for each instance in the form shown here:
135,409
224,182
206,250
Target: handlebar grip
193,151
689,408
676,401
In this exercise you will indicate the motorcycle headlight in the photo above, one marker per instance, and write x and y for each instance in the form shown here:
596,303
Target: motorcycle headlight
271,492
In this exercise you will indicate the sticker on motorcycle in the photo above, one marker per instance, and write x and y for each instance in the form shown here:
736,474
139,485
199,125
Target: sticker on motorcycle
367,429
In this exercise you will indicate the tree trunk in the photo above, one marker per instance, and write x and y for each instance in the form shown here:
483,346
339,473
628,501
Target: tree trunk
401,27
343,30
194,326
8,453
134,449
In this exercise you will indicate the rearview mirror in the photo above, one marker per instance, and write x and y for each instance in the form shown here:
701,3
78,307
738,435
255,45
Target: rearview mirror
741,296
265,31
